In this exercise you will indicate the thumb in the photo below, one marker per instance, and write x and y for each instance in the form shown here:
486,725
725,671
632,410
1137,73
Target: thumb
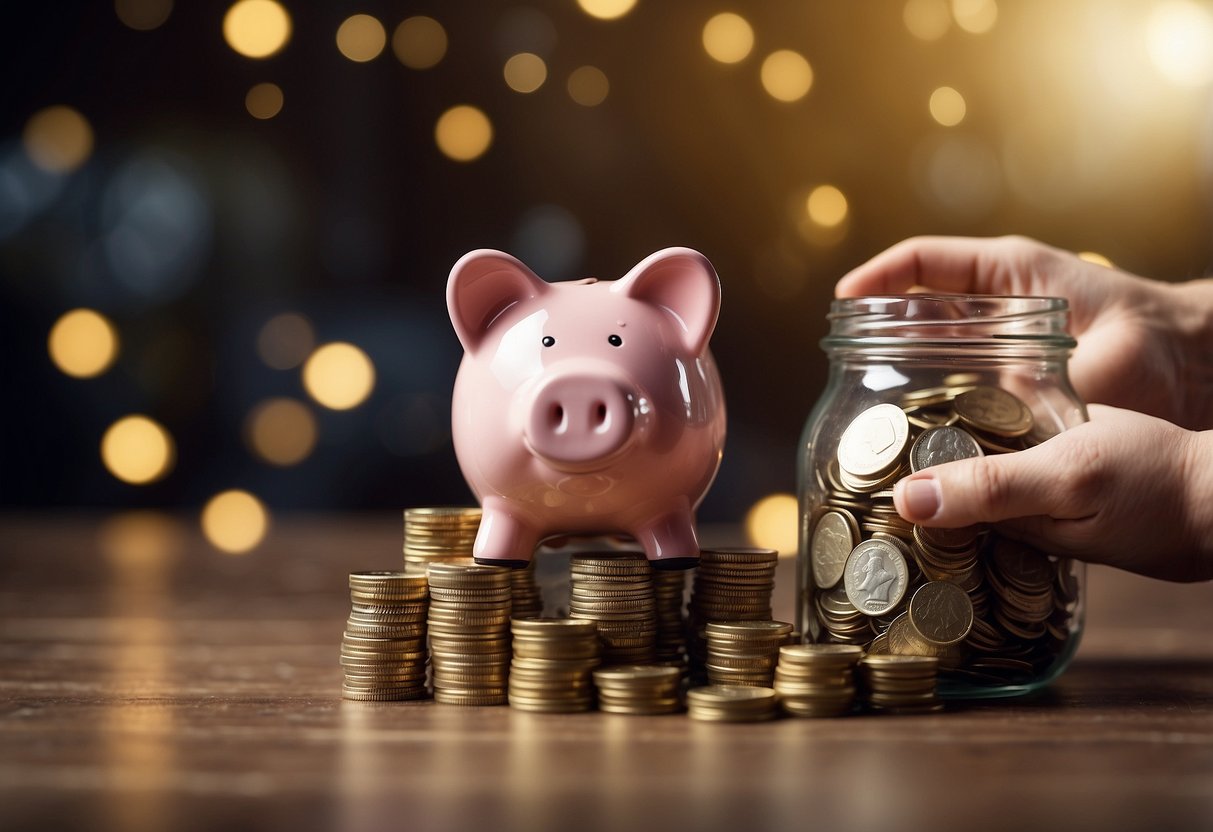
980,490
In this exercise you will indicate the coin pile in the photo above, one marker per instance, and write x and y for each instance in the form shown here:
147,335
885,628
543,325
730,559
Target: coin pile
615,590
438,534
729,585
731,703
383,649
469,627
639,689
669,587
527,597
553,660
817,680
744,652
900,684
866,564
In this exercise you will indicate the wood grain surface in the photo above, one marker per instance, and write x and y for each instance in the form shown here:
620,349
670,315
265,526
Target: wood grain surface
148,682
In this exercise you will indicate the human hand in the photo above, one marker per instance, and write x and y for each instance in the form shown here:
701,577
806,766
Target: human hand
1124,489
1141,344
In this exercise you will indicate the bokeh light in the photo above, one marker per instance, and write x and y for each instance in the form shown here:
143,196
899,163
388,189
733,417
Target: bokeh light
1179,38
143,15
264,101
257,28
137,450
339,376
947,106
141,539
463,133
606,9
83,343
826,206
235,521
926,19
285,341
772,523
975,16
525,72
728,38
58,139
281,431
1096,258
361,38
419,42
588,86
786,75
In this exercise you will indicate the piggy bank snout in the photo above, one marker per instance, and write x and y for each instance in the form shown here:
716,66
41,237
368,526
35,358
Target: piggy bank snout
576,419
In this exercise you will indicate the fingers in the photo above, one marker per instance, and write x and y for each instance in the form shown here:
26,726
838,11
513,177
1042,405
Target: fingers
1003,265
983,490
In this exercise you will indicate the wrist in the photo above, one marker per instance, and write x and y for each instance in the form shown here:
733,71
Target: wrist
1197,475
1190,314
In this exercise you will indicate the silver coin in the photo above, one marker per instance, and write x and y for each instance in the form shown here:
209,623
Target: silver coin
875,577
833,539
873,442
935,446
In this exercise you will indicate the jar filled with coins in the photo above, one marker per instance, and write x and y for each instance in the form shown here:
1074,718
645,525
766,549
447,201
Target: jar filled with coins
916,381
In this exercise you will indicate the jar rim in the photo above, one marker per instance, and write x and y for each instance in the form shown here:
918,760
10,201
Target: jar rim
940,318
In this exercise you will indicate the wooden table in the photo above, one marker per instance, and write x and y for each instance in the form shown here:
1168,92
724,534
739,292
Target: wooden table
151,683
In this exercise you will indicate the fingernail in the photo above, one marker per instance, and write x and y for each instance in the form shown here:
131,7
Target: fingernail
919,498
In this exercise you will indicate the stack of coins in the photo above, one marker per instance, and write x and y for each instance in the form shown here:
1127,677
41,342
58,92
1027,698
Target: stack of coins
383,649
744,652
729,585
527,597
866,563
638,690
901,684
615,590
817,679
469,624
731,703
438,534
669,587
553,659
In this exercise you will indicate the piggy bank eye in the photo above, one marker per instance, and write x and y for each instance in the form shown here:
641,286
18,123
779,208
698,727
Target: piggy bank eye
615,341
548,341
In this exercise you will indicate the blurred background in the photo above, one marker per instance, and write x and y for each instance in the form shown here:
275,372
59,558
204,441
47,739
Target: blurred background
225,228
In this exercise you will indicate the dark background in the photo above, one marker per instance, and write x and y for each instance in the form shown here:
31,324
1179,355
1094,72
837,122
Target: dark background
342,209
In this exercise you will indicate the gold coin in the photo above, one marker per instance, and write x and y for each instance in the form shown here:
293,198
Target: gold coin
994,410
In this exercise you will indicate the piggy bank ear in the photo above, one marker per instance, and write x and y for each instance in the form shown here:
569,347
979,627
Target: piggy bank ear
682,283
483,285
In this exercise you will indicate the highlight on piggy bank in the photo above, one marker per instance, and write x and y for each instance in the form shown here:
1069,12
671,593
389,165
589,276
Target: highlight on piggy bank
588,406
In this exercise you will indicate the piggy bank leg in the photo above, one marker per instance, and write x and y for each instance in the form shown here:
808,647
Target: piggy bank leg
669,540
504,539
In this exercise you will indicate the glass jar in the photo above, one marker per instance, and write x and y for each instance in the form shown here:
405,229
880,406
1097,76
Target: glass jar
916,380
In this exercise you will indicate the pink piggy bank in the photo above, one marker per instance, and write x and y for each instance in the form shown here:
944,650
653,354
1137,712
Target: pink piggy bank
589,406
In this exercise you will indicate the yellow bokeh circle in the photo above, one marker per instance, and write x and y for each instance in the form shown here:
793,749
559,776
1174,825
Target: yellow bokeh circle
772,523
257,28
137,450
281,431
235,521
58,139
361,38
419,42
786,75
525,72
826,206
83,343
606,9
463,133
728,38
264,101
339,376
